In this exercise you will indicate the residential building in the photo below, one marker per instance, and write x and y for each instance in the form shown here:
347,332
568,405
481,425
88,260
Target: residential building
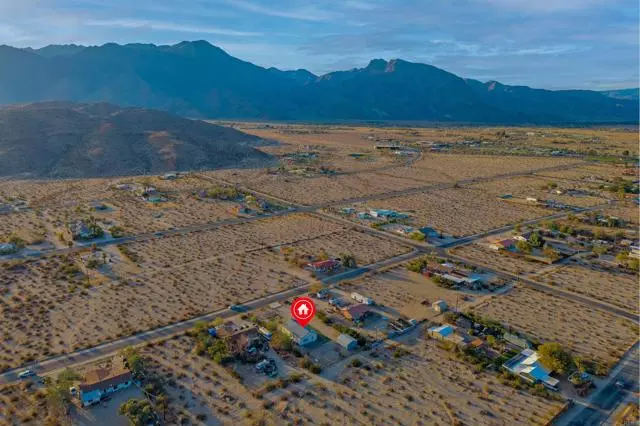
527,366
381,213
300,335
399,228
362,299
516,342
449,333
347,342
635,252
102,381
80,231
323,265
356,313
239,336
8,248
429,232
506,244
440,306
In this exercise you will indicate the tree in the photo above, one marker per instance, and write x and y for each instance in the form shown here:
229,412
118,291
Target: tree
523,246
622,257
133,358
536,240
348,260
162,403
138,411
550,253
491,341
58,395
554,357
281,341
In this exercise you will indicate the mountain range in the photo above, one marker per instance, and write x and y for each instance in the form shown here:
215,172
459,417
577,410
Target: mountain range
197,79
71,140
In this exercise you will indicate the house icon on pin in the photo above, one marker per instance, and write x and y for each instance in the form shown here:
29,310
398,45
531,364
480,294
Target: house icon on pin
303,310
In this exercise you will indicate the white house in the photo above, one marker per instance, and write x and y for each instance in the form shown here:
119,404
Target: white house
8,248
100,382
300,335
347,342
440,306
362,299
527,366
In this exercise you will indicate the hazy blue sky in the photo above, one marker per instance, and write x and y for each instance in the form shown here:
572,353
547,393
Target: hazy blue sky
541,43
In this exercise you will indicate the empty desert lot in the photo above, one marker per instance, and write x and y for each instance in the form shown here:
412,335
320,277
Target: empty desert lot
305,234
323,189
401,292
42,313
617,288
526,186
427,386
457,167
44,310
586,331
482,254
459,211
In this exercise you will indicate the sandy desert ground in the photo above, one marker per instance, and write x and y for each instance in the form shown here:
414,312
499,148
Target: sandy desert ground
617,288
480,253
521,187
585,331
458,211
402,292
425,386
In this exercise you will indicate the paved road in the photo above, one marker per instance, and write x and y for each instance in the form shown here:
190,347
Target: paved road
547,289
172,329
107,348
292,208
599,406
560,215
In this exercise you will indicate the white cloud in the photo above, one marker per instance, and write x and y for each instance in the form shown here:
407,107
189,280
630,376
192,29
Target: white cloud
308,13
547,5
168,26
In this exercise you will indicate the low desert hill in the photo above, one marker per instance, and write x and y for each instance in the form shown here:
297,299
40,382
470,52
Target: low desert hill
60,139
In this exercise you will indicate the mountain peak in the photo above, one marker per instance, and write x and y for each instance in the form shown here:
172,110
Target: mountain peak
377,65
198,47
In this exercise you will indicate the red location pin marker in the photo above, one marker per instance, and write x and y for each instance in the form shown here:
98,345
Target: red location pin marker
303,310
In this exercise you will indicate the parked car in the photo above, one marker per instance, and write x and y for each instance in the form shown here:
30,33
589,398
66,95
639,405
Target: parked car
265,333
26,373
262,364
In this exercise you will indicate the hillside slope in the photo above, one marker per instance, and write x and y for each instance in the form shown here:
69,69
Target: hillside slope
58,139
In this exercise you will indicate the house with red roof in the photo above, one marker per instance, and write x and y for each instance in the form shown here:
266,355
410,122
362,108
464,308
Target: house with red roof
101,381
323,265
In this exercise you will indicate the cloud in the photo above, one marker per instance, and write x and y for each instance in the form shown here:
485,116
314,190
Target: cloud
167,26
547,5
308,13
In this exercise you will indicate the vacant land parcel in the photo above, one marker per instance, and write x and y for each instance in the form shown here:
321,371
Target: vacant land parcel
589,332
617,288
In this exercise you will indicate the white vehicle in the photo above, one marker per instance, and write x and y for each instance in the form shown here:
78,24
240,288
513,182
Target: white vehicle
265,333
262,364
362,299
25,374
